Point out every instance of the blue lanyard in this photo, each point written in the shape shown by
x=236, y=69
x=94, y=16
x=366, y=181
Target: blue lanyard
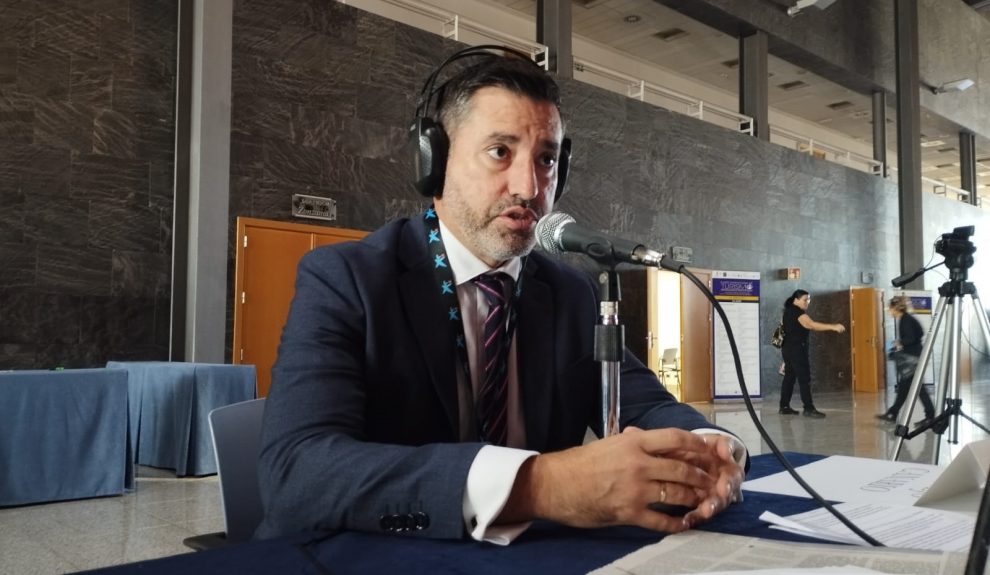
x=452, y=308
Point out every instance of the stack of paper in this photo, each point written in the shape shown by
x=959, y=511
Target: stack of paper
x=885, y=499
x=895, y=526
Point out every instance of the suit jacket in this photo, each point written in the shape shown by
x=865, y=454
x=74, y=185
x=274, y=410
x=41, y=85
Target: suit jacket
x=361, y=422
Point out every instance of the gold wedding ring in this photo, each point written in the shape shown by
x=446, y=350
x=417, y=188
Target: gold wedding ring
x=663, y=493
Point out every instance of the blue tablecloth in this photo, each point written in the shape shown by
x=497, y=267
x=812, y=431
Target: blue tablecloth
x=169, y=407
x=63, y=435
x=546, y=548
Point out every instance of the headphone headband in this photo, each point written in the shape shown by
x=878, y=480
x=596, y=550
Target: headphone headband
x=427, y=93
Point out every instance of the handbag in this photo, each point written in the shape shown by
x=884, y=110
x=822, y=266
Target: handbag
x=777, y=337
x=905, y=364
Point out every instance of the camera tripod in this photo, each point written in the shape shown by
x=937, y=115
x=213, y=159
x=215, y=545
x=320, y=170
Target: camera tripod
x=951, y=298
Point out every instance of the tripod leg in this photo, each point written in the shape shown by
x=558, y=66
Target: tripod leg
x=973, y=421
x=954, y=374
x=926, y=354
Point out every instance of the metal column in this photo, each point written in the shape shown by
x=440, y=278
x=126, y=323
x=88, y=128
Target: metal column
x=553, y=30
x=880, y=129
x=753, y=95
x=909, y=137
x=180, y=182
x=967, y=164
x=209, y=181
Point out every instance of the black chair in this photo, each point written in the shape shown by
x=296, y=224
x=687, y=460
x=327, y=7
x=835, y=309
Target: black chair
x=670, y=366
x=236, y=433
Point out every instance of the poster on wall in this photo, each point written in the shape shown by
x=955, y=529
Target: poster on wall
x=739, y=294
x=921, y=307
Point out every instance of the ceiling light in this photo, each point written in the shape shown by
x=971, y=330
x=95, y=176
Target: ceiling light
x=802, y=4
x=632, y=18
x=932, y=143
x=840, y=105
x=792, y=85
x=953, y=86
x=671, y=34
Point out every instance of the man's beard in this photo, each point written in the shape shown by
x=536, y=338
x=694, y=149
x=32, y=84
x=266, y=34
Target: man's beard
x=483, y=236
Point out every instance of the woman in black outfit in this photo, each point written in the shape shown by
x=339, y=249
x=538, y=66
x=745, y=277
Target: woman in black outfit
x=906, y=351
x=797, y=324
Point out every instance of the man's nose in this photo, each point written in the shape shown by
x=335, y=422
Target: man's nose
x=524, y=181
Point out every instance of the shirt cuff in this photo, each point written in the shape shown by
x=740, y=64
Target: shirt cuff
x=489, y=483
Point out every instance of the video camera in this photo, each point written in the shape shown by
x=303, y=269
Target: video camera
x=957, y=248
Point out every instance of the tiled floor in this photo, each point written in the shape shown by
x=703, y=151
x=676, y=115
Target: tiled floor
x=163, y=510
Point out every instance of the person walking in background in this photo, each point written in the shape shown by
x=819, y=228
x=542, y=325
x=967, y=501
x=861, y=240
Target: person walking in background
x=797, y=325
x=905, y=353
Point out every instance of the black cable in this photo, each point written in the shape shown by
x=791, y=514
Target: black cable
x=752, y=412
x=977, y=559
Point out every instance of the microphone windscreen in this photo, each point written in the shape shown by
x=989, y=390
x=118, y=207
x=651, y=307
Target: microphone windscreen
x=548, y=231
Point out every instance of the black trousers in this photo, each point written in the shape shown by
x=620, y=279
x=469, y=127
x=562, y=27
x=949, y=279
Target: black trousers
x=902, y=388
x=796, y=368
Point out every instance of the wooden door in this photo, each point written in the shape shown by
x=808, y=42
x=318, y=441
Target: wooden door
x=866, y=339
x=267, y=255
x=696, y=340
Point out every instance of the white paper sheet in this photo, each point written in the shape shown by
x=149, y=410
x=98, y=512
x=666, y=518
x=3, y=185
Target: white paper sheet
x=854, y=480
x=705, y=552
x=896, y=526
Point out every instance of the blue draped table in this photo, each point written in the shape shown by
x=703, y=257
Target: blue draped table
x=63, y=435
x=546, y=548
x=169, y=406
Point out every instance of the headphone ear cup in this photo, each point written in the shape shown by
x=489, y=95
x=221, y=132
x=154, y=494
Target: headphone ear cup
x=563, y=165
x=430, y=156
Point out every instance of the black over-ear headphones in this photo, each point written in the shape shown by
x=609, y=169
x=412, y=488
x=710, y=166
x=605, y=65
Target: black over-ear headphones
x=432, y=143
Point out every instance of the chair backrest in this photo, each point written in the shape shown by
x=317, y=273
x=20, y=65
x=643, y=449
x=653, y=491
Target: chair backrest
x=669, y=357
x=237, y=441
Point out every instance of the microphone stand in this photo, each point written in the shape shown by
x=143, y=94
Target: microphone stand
x=610, y=341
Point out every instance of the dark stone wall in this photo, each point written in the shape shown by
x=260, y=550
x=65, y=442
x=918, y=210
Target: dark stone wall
x=323, y=94
x=852, y=43
x=86, y=148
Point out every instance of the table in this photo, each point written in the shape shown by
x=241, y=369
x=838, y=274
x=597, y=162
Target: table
x=546, y=548
x=63, y=435
x=169, y=404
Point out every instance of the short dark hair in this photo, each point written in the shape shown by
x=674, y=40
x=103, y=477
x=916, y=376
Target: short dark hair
x=797, y=294
x=511, y=72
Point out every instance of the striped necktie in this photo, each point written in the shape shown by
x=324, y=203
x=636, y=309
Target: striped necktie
x=493, y=393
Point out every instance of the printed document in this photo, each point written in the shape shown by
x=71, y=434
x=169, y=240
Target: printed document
x=896, y=526
x=692, y=552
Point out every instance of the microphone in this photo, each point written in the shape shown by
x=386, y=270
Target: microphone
x=558, y=232
x=902, y=279
x=907, y=278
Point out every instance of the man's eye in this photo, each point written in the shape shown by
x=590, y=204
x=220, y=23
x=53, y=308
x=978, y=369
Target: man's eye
x=548, y=160
x=499, y=152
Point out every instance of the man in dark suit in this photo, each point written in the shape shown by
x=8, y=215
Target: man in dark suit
x=411, y=396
